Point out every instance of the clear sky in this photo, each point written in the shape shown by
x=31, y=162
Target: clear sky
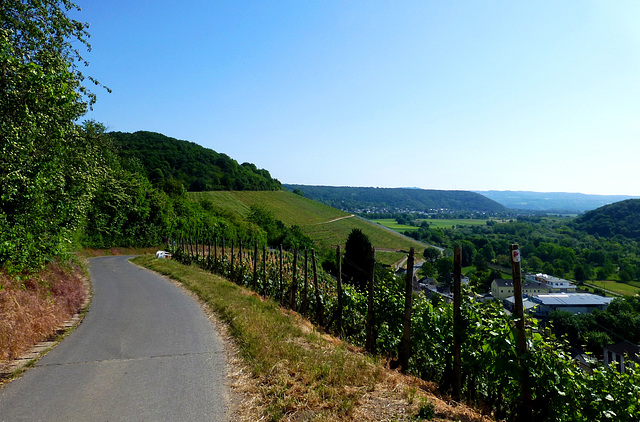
x=469, y=95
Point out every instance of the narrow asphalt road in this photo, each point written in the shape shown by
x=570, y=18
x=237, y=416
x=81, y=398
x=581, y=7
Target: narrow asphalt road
x=144, y=352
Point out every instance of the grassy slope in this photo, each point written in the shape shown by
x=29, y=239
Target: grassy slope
x=437, y=223
x=327, y=226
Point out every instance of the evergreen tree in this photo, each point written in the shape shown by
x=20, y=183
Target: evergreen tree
x=357, y=259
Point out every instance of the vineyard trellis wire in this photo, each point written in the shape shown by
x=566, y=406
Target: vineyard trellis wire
x=469, y=348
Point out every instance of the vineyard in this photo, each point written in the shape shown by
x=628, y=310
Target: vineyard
x=325, y=225
x=489, y=366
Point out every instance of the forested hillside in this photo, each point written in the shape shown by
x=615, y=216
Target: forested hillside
x=621, y=218
x=197, y=168
x=358, y=199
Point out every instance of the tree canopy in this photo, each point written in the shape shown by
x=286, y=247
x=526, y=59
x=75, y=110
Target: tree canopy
x=197, y=168
x=363, y=199
x=48, y=163
x=620, y=218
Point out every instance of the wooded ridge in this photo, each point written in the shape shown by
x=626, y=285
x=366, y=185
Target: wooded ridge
x=196, y=167
x=360, y=199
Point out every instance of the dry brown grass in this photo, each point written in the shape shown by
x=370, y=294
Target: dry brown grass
x=33, y=306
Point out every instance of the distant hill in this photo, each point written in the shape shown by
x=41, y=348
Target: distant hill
x=196, y=167
x=621, y=218
x=358, y=199
x=551, y=201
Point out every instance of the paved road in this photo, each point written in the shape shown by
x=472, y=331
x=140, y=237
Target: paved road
x=144, y=352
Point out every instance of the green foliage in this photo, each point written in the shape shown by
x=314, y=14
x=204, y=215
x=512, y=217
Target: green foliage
x=277, y=232
x=127, y=211
x=621, y=320
x=431, y=254
x=49, y=166
x=195, y=167
x=619, y=218
x=427, y=411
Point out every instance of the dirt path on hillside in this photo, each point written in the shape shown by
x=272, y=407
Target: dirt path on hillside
x=332, y=221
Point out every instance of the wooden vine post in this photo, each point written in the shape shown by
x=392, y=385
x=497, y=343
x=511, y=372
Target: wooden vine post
x=457, y=322
x=264, y=269
x=215, y=251
x=305, y=298
x=370, y=344
x=255, y=266
x=339, y=283
x=294, y=281
x=405, y=343
x=319, y=305
x=526, y=411
x=239, y=273
x=223, y=256
x=280, y=275
x=232, y=261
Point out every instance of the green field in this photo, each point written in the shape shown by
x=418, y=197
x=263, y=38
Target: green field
x=390, y=223
x=327, y=226
x=447, y=224
x=616, y=286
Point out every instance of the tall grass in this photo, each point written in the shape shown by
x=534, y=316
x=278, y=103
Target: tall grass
x=33, y=306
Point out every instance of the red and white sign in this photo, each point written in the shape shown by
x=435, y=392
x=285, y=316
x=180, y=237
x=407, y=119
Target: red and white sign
x=515, y=255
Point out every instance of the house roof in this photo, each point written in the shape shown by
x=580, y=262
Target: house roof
x=571, y=299
x=624, y=348
x=526, y=303
x=500, y=282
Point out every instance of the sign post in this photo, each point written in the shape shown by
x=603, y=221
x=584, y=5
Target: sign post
x=526, y=413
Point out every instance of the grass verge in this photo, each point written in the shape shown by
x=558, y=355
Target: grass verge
x=300, y=373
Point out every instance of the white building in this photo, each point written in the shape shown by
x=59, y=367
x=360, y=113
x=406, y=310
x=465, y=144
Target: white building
x=554, y=284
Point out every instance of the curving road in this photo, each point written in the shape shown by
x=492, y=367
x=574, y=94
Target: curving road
x=144, y=352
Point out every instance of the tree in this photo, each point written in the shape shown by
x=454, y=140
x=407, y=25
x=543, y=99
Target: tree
x=445, y=269
x=488, y=253
x=357, y=259
x=431, y=254
x=480, y=263
x=48, y=164
x=579, y=273
x=468, y=251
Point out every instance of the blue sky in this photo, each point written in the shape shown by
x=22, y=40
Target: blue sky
x=468, y=95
